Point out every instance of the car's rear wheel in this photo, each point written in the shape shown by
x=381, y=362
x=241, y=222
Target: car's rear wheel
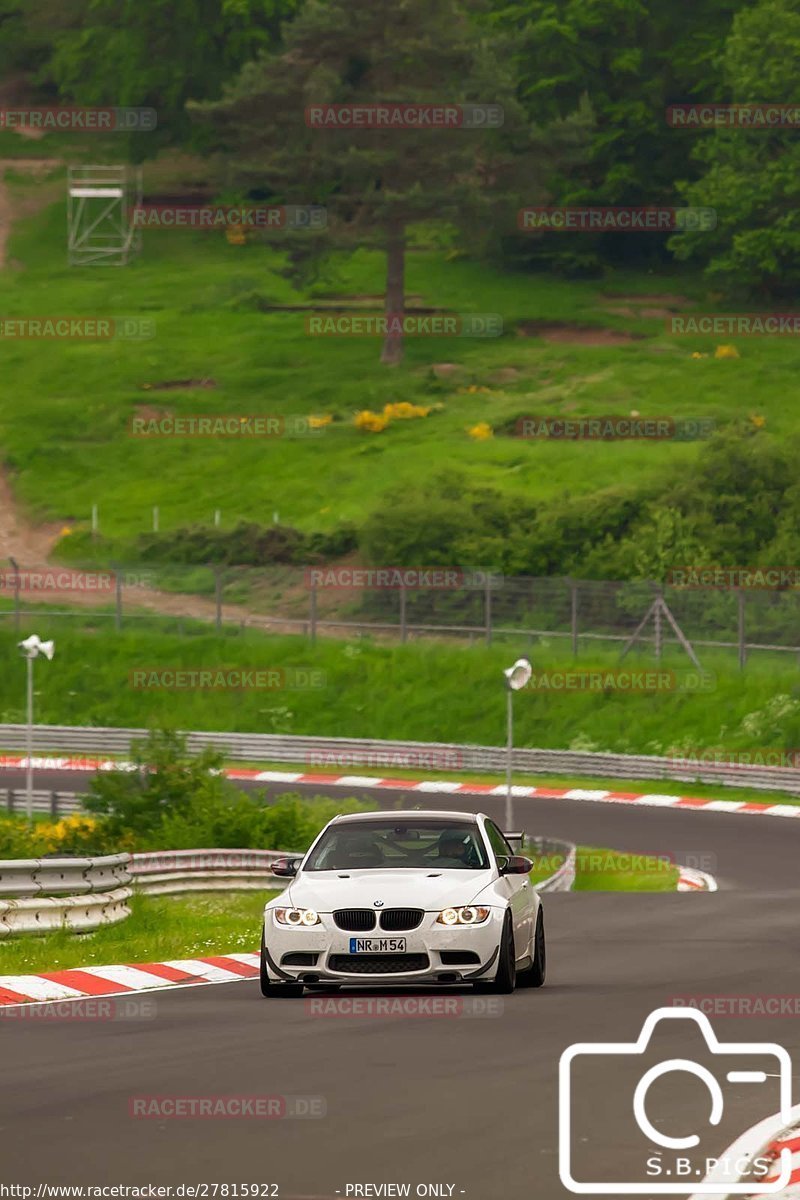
x=275, y=990
x=534, y=975
x=506, y=977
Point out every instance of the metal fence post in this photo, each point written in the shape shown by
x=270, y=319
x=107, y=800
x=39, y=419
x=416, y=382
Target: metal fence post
x=312, y=615
x=10, y=798
x=742, y=647
x=118, y=599
x=218, y=596
x=574, y=617
x=487, y=606
x=657, y=624
x=15, y=565
x=403, y=624
x=54, y=804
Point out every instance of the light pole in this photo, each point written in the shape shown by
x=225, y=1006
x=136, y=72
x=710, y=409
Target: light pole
x=32, y=647
x=516, y=678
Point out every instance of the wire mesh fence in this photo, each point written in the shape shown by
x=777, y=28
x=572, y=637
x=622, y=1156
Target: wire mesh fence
x=474, y=606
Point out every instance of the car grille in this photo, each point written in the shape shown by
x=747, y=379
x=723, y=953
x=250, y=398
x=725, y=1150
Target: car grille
x=401, y=918
x=355, y=920
x=458, y=958
x=378, y=964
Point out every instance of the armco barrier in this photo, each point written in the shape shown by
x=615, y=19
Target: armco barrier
x=77, y=913
x=563, y=879
x=54, y=893
x=24, y=877
x=324, y=752
x=165, y=872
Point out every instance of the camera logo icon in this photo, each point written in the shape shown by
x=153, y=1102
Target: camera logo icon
x=670, y=1163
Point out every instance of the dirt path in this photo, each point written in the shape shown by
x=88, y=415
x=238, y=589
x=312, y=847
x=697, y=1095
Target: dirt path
x=30, y=545
x=39, y=168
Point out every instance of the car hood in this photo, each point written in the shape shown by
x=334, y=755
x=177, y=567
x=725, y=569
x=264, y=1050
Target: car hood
x=428, y=888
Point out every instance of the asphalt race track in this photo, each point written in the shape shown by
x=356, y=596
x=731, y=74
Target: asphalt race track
x=463, y=1102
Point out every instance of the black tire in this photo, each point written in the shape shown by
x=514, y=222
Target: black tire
x=274, y=991
x=534, y=975
x=505, y=980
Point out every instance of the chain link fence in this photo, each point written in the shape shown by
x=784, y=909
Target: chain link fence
x=473, y=606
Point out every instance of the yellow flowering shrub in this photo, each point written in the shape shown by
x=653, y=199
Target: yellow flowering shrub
x=404, y=411
x=72, y=833
x=319, y=422
x=481, y=432
x=726, y=352
x=370, y=421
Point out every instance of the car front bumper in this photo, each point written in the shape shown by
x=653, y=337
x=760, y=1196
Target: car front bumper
x=427, y=957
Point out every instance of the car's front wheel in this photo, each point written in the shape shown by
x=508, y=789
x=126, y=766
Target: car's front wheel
x=275, y=990
x=505, y=980
x=534, y=975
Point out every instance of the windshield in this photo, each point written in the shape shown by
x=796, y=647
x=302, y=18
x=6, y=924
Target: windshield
x=365, y=845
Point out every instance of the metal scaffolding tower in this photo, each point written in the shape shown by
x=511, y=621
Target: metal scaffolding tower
x=100, y=201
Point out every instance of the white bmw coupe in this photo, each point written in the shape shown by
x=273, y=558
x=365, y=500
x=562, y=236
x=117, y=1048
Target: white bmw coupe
x=404, y=898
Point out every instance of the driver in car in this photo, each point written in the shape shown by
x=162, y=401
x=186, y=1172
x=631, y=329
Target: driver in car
x=454, y=846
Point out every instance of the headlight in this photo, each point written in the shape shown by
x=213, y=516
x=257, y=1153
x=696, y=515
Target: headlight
x=462, y=916
x=299, y=917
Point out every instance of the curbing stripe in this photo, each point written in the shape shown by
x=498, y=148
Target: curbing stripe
x=122, y=980
x=589, y=795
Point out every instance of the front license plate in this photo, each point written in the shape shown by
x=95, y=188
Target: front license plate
x=377, y=945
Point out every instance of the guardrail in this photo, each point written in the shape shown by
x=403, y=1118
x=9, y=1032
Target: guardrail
x=329, y=752
x=55, y=804
x=23, y=877
x=166, y=872
x=78, y=894
x=563, y=878
x=76, y=913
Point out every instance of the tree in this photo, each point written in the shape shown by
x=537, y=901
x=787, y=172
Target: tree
x=630, y=59
x=161, y=53
x=752, y=176
x=374, y=182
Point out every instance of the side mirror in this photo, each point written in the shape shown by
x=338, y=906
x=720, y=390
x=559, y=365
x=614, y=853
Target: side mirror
x=517, y=864
x=285, y=867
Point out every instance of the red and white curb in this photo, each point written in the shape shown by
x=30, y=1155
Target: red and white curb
x=94, y=982
x=449, y=787
x=691, y=880
x=773, y=1140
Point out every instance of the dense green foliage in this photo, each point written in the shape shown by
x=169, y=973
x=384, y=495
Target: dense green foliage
x=606, y=68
